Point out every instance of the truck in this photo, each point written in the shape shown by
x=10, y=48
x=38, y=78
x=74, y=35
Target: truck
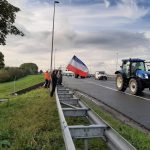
x=135, y=74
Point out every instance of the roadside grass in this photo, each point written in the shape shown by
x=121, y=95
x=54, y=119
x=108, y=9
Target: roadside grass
x=30, y=122
x=8, y=87
x=138, y=139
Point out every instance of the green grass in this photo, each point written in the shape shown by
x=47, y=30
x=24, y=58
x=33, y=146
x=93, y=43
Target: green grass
x=137, y=138
x=8, y=87
x=30, y=122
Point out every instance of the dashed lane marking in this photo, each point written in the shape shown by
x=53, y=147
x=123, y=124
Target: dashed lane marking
x=118, y=91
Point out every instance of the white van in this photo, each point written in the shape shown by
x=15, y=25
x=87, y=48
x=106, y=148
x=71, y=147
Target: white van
x=100, y=75
x=68, y=73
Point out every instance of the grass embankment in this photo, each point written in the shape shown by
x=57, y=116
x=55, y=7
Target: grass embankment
x=30, y=122
x=8, y=87
x=140, y=140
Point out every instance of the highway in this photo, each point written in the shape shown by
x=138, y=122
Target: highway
x=135, y=107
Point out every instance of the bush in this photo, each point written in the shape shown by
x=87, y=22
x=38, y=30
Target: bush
x=11, y=73
x=30, y=68
x=4, y=76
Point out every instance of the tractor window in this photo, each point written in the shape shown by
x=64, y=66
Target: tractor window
x=126, y=67
x=137, y=65
x=147, y=65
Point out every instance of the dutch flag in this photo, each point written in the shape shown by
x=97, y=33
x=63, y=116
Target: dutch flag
x=78, y=67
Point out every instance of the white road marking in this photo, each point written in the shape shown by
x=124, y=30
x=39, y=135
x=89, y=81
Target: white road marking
x=117, y=90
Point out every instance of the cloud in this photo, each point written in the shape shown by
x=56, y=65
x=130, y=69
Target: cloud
x=131, y=9
x=94, y=30
x=113, y=40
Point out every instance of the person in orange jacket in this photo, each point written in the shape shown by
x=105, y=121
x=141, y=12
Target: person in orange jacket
x=47, y=78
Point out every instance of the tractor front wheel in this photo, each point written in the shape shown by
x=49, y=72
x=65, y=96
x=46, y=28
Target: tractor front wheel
x=135, y=86
x=120, y=83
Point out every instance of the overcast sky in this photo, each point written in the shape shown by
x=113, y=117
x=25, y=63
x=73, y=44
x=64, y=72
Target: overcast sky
x=93, y=30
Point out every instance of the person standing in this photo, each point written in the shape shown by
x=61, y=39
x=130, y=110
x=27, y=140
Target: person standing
x=59, y=76
x=54, y=82
x=47, y=78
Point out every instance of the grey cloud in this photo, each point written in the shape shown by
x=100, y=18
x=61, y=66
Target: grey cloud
x=32, y=42
x=110, y=40
x=39, y=42
x=99, y=64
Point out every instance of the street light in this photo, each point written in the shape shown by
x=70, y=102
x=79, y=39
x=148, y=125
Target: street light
x=55, y=2
x=54, y=56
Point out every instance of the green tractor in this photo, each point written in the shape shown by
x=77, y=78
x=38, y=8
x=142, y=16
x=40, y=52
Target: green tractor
x=133, y=74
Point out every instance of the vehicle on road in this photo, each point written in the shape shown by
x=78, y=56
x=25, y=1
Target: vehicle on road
x=100, y=75
x=78, y=76
x=68, y=73
x=133, y=74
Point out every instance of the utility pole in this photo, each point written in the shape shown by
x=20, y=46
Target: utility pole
x=55, y=58
x=51, y=65
x=117, y=60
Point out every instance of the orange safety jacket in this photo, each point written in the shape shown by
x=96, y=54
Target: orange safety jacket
x=47, y=76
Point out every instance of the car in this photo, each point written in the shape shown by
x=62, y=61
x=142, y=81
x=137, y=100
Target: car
x=133, y=74
x=100, y=75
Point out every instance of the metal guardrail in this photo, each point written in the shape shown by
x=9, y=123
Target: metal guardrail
x=69, y=105
x=4, y=100
x=64, y=127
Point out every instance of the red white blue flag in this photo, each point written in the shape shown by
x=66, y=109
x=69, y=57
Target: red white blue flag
x=78, y=67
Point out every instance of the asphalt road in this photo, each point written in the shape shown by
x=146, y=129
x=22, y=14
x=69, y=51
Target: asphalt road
x=136, y=107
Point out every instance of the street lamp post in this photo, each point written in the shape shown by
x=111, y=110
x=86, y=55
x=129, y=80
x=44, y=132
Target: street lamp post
x=54, y=56
x=51, y=65
x=117, y=61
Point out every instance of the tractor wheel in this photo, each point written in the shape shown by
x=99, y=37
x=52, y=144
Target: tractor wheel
x=120, y=83
x=135, y=86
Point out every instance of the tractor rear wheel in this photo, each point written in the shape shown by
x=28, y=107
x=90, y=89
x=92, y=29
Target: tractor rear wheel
x=135, y=86
x=120, y=83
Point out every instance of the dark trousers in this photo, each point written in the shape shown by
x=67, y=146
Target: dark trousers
x=47, y=83
x=59, y=81
x=53, y=89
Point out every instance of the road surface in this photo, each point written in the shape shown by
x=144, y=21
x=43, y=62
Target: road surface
x=136, y=107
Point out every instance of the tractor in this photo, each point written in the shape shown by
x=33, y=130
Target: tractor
x=133, y=74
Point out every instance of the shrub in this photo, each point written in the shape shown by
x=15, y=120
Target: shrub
x=4, y=76
x=11, y=73
x=30, y=68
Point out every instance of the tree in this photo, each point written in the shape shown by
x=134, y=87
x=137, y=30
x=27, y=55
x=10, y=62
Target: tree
x=7, y=19
x=30, y=68
x=2, y=65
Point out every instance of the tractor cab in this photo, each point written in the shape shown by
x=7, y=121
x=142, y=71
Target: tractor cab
x=133, y=74
x=130, y=66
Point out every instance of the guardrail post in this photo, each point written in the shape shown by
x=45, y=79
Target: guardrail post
x=85, y=144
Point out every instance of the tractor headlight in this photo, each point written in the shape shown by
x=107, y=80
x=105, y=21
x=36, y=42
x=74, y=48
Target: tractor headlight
x=145, y=76
x=141, y=76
